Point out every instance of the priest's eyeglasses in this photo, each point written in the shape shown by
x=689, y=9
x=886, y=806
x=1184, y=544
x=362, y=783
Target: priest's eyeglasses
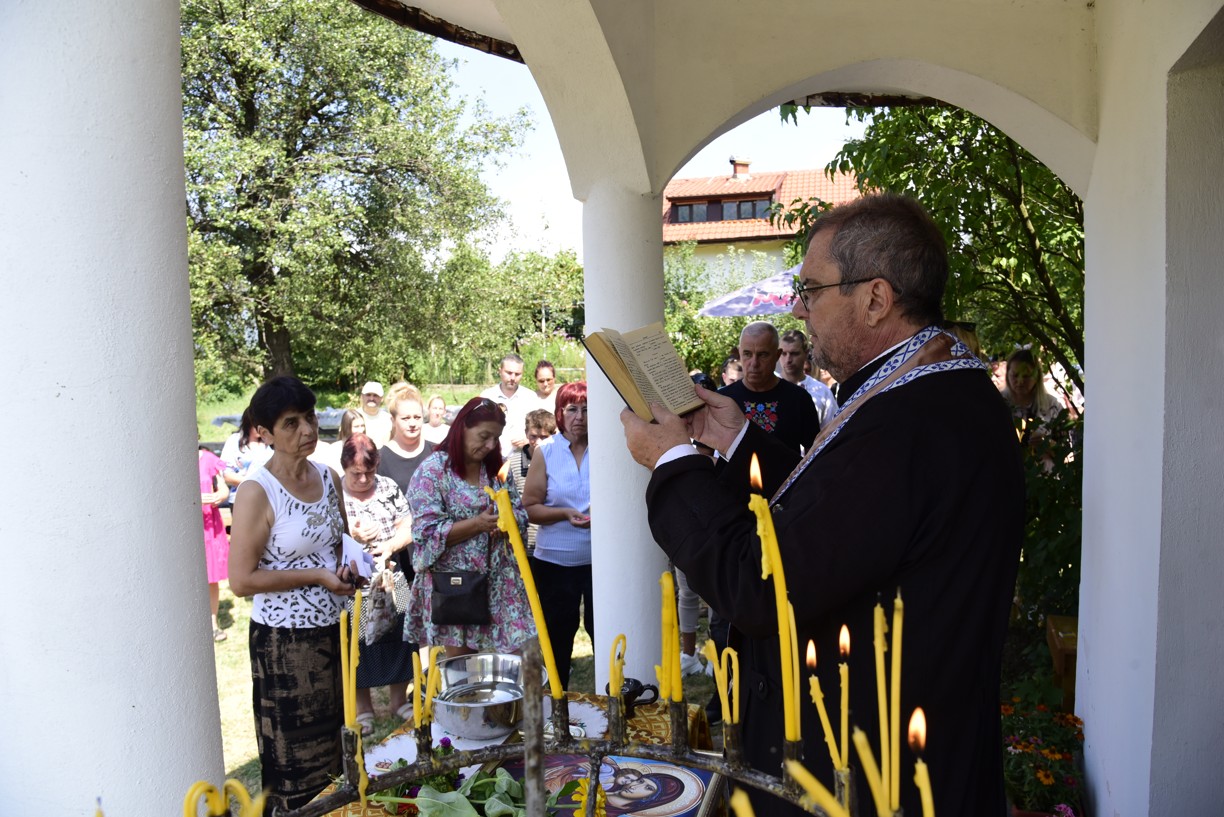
x=799, y=291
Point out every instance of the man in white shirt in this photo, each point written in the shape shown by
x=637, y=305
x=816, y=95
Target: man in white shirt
x=790, y=368
x=515, y=401
x=377, y=420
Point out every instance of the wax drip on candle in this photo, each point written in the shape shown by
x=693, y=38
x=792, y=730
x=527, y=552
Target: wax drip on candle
x=818, y=699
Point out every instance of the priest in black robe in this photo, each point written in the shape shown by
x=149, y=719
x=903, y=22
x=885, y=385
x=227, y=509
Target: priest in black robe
x=916, y=485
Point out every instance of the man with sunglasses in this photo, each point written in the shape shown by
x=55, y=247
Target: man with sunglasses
x=914, y=486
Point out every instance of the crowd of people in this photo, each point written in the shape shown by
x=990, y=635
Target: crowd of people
x=409, y=488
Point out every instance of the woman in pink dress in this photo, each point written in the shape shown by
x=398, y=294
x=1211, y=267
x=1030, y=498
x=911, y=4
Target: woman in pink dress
x=213, y=493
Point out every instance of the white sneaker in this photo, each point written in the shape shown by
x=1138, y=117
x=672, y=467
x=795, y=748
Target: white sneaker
x=691, y=665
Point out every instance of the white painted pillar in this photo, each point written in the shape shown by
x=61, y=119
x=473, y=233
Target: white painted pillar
x=107, y=684
x=623, y=261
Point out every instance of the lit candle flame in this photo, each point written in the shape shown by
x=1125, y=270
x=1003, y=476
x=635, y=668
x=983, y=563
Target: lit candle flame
x=505, y=470
x=754, y=474
x=811, y=654
x=843, y=641
x=917, y=731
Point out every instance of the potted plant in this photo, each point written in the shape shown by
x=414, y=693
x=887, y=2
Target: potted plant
x=1041, y=748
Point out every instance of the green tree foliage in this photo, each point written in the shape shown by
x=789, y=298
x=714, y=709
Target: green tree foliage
x=1015, y=230
x=329, y=169
x=488, y=309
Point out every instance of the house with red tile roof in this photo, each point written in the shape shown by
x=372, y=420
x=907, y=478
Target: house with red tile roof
x=728, y=216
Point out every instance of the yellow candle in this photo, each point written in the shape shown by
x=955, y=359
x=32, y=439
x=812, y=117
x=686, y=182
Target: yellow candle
x=871, y=772
x=349, y=717
x=741, y=805
x=354, y=657
x=735, y=681
x=894, y=715
x=507, y=523
x=98, y=812
x=794, y=652
x=881, y=695
x=819, y=794
x=671, y=639
x=665, y=666
x=843, y=644
x=922, y=777
x=616, y=666
x=771, y=564
x=720, y=677
x=818, y=699
x=417, y=709
x=246, y=806
x=212, y=799
x=434, y=682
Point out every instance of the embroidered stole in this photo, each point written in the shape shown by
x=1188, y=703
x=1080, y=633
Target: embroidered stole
x=929, y=352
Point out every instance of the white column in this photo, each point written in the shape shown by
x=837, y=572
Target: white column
x=623, y=262
x=107, y=684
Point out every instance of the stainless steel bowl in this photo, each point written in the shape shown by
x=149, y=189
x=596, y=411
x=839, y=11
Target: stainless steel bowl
x=480, y=668
x=480, y=711
x=480, y=696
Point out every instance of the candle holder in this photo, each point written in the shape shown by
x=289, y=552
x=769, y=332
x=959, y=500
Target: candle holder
x=537, y=745
x=348, y=749
x=616, y=719
x=733, y=744
x=533, y=730
x=843, y=789
x=560, y=720
x=791, y=750
x=678, y=710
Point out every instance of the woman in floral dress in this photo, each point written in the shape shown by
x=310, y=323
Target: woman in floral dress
x=454, y=527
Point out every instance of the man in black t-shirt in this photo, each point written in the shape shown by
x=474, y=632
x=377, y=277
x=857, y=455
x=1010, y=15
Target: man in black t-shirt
x=781, y=408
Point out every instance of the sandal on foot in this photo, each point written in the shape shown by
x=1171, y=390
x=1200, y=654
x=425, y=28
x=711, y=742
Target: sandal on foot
x=366, y=721
x=219, y=634
x=404, y=713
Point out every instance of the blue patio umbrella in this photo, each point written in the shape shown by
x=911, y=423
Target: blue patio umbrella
x=772, y=296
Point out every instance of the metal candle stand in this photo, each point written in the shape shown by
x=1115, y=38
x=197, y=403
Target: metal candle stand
x=534, y=747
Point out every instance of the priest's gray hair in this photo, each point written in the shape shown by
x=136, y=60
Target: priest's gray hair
x=891, y=237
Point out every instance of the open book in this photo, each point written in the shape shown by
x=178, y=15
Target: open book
x=645, y=368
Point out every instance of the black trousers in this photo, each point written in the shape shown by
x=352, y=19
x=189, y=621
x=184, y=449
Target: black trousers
x=563, y=591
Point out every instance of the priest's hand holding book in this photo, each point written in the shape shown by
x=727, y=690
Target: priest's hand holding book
x=717, y=424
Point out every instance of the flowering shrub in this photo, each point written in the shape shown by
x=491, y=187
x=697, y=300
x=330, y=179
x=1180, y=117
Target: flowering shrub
x=1039, y=758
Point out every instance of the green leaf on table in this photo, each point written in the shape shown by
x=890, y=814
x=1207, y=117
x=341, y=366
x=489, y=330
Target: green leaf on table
x=501, y=805
x=431, y=802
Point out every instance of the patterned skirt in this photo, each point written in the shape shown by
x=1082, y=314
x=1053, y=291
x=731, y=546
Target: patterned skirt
x=386, y=661
x=296, y=693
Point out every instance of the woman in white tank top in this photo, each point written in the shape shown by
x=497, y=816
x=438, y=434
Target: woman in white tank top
x=284, y=548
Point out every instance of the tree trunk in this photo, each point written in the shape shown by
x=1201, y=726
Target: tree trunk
x=275, y=340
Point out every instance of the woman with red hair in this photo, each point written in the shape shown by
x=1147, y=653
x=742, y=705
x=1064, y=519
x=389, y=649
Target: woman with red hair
x=454, y=527
x=557, y=496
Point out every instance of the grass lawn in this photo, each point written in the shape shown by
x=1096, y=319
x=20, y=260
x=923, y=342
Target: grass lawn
x=234, y=688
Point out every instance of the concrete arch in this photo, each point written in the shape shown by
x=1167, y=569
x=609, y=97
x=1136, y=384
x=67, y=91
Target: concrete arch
x=1064, y=148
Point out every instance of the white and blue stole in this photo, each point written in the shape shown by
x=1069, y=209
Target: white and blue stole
x=931, y=351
